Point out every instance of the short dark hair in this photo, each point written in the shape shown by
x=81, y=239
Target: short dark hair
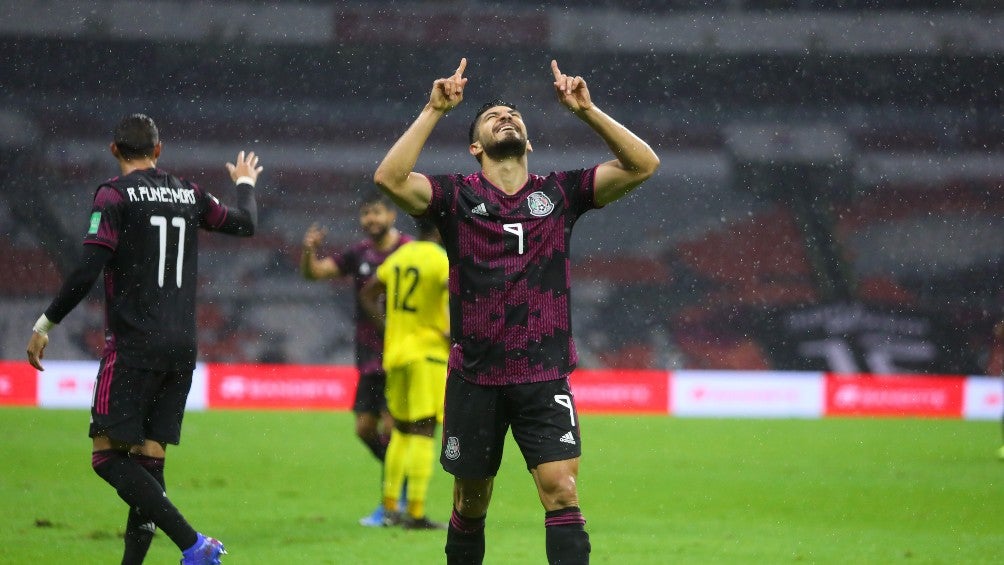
x=374, y=196
x=484, y=108
x=135, y=136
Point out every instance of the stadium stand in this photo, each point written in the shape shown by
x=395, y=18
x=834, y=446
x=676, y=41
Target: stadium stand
x=673, y=276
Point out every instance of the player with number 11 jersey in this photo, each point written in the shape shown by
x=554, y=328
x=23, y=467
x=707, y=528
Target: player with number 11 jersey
x=150, y=280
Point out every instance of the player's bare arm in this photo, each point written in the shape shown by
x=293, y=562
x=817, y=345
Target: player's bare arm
x=634, y=160
x=311, y=266
x=395, y=175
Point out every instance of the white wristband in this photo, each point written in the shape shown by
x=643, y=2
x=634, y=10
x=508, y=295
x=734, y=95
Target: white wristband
x=244, y=180
x=43, y=325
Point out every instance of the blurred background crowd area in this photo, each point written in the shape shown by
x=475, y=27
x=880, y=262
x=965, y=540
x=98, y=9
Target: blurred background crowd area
x=830, y=196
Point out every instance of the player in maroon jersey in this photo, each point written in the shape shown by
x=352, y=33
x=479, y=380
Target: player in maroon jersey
x=507, y=235
x=360, y=261
x=143, y=234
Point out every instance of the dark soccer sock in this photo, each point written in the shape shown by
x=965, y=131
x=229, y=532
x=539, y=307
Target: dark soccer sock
x=465, y=540
x=140, y=490
x=377, y=446
x=566, y=538
x=139, y=528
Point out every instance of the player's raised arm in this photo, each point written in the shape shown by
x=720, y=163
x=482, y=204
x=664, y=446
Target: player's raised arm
x=634, y=161
x=243, y=219
x=395, y=175
x=313, y=267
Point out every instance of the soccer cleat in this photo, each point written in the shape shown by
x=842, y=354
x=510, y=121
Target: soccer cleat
x=423, y=523
x=374, y=520
x=391, y=519
x=206, y=551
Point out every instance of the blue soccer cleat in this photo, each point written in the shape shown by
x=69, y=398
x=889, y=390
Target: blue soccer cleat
x=206, y=551
x=374, y=520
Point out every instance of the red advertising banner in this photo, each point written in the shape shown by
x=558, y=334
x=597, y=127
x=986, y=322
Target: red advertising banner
x=280, y=386
x=68, y=384
x=898, y=396
x=621, y=391
x=18, y=384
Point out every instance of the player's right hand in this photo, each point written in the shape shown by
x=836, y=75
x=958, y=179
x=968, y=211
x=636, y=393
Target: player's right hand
x=314, y=236
x=448, y=92
x=36, y=349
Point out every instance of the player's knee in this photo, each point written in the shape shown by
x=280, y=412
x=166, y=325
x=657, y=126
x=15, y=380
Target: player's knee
x=471, y=498
x=150, y=448
x=366, y=426
x=104, y=461
x=559, y=491
x=472, y=507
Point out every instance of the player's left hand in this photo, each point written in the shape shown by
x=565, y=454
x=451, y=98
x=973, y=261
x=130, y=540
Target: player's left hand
x=36, y=349
x=448, y=92
x=572, y=91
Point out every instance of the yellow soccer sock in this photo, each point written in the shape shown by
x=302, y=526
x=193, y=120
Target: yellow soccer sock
x=394, y=467
x=421, y=456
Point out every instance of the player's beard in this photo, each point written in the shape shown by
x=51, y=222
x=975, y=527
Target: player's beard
x=509, y=146
x=377, y=232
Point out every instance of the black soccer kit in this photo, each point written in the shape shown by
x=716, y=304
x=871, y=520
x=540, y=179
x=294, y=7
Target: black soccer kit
x=510, y=321
x=145, y=226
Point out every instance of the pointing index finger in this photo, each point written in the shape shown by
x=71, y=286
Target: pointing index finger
x=460, y=70
x=554, y=69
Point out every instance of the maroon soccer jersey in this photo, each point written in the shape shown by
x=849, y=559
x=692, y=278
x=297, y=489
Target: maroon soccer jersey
x=509, y=273
x=361, y=260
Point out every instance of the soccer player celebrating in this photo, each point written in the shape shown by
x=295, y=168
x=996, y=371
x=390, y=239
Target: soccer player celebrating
x=507, y=234
x=143, y=234
x=360, y=260
x=416, y=346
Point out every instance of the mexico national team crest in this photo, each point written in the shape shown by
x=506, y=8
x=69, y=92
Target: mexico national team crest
x=539, y=203
x=452, y=448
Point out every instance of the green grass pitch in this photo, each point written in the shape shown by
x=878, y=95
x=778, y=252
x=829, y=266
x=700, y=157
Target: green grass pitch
x=288, y=487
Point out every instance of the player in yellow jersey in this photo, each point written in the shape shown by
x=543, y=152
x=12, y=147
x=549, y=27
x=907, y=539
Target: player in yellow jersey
x=416, y=349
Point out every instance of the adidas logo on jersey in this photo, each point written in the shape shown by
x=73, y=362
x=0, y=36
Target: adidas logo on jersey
x=480, y=209
x=568, y=438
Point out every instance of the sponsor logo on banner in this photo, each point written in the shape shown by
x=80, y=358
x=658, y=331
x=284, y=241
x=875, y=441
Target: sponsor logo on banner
x=67, y=384
x=983, y=399
x=753, y=394
x=70, y=384
x=197, y=394
x=18, y=384
x=868, y=395
x=280, y=386
x=620, y=391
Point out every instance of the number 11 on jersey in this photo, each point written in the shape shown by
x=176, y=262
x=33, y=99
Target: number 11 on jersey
x=160, y=222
